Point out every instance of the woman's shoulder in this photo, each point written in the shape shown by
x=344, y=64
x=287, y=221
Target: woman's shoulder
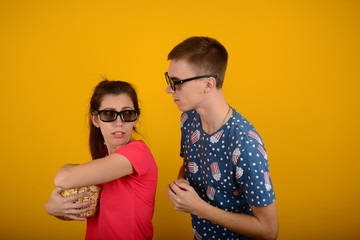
x=135, y=146
x=140, y=156
x=138, y=144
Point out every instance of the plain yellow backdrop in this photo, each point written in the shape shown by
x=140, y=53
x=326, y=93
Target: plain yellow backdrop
x=293, y=72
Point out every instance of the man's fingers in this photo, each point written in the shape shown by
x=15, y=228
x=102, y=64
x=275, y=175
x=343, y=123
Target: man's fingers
x=181, y=180
x=183, y=185
x=174, y=198
x=171, y=193
x=175, y=188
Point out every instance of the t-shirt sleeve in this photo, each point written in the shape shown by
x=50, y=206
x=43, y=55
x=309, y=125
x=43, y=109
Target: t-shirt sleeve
x=139, y=155
x=252, y=172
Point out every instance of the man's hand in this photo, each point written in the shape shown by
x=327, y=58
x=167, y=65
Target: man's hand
x=184, y=197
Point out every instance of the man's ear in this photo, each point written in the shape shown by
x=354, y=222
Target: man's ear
x=210, y=84
x=95, y=120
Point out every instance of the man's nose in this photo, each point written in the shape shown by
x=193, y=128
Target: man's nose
x=169, y=89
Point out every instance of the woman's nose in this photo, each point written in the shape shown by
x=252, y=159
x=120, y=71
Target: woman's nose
x=118, y=121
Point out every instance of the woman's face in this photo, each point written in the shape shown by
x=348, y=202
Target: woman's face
x=117, y=133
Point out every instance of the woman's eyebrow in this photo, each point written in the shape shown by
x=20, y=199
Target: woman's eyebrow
x=114, y=109
x=127, y=108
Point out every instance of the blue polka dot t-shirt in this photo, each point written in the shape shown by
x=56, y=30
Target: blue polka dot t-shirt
x=228, y=169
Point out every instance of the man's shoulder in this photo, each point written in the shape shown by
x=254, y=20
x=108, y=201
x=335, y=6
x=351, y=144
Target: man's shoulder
x=241, y=125
x=241, y=122
x=187, y=117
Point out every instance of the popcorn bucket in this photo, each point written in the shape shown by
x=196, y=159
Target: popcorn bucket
x=94, y=195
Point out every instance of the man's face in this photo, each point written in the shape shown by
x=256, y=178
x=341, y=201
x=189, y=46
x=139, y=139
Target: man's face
x=187, y=95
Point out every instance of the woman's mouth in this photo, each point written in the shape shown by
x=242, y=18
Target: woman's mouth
x=118, y=134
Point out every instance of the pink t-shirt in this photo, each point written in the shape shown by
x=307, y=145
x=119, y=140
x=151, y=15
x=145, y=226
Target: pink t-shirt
x=127, y=203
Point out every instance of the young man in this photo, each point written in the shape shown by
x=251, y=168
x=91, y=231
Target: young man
x=224, y=181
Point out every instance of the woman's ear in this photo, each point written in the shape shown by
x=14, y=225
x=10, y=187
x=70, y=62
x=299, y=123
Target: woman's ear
x=95, y=120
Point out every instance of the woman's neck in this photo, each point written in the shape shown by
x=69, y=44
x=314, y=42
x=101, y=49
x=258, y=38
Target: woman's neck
x=112, y=149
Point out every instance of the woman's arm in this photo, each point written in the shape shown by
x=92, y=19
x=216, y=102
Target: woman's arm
x=94, y=172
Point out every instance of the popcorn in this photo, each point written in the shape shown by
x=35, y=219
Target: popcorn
x=94, y=195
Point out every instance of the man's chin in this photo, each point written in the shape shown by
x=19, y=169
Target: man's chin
x=182, y=108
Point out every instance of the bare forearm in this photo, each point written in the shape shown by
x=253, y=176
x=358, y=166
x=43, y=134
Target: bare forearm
x=243, y=224
x=63, y=175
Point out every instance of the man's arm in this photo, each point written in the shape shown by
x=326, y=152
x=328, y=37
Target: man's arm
x=181, y=174
x=263, y=225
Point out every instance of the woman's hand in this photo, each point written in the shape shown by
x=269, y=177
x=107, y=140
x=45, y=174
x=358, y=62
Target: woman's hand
x=65, y=208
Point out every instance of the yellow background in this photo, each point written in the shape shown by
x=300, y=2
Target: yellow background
x=293, y=72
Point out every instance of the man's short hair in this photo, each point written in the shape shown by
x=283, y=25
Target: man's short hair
x=207, y=55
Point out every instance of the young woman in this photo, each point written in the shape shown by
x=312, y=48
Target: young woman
x=124, y=168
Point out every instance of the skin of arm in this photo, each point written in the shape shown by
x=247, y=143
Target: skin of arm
x=91, y=173
x=263, y=225
x=181, y=174
x=94, y=172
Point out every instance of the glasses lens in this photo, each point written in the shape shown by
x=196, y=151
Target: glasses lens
x=170, y=81
x=172, y=84
x=167, y=78
x=129, y=115
x=107, y=115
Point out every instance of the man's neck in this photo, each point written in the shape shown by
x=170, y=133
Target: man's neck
x=214, y=113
